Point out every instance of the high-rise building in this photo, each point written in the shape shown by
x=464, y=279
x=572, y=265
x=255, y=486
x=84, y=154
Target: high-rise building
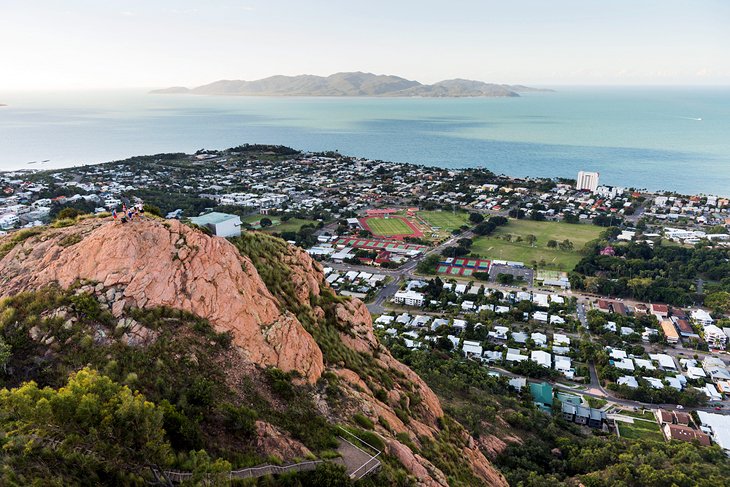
x=587, y=181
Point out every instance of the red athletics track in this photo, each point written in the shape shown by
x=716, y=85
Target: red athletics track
x=415, y=230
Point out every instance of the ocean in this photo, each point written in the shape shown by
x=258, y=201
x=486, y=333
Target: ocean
x=655, y=138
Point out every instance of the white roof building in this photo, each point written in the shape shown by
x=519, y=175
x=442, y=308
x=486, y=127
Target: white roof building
x=674, y=382
x=438, y=322
x=617, y=354
x=624, y=364
x=702, y=317
x=715, y=337
x=467, y=305
x=518, y=383
x=540, y=339
x=409, y=298
x=499, y=332
x=654, y=382
x=403, y=319
x=563, y=363
x=640, y=362
x=695, y=372
x=514, y=355
x=628, y=380
x=541, y=316
x=420, y=321
x=712, y=393
x=460, y=324
x=541, y=358
x=492, y=355
x=557, y=320
x=540, y=300
x=560, y=339
x=472, y=348
x=665, y=361
x=718, y=426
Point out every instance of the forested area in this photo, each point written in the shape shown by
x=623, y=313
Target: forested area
x=665, y=274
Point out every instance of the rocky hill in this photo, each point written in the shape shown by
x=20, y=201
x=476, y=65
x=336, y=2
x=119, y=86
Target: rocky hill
x=350, y=84
x=95, y=293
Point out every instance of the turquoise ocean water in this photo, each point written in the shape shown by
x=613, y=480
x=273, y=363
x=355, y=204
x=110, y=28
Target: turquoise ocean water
x=655, y=138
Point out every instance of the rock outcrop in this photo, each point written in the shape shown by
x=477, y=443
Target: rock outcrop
x=155, y=263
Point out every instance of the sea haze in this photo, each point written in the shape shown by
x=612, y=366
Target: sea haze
x=655, y=138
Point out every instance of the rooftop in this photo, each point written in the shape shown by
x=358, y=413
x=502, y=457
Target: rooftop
x=213, y=218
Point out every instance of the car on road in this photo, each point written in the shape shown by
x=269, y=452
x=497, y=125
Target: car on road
x=679, y=406
x=718, y=408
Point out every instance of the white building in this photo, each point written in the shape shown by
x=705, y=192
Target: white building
x=718, y=426
x=628, y=380
x=715, y=337
x=409, y=298
x=220, y=224
x=541, y=358
x=472, y=349
x=587, y=181
x=702, y=317
x=514, y=355
x=540, y=339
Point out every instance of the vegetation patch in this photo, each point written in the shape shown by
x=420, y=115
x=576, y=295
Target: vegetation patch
x=537, y=243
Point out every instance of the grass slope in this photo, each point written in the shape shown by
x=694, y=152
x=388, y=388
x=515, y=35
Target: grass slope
x=291, y=225
x=388, y=226
x=494, y=247
x=640, y=429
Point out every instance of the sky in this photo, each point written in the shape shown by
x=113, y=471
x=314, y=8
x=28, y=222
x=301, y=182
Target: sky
x=92, y=44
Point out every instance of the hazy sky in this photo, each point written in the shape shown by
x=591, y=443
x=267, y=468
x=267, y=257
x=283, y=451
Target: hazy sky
x=155, y=43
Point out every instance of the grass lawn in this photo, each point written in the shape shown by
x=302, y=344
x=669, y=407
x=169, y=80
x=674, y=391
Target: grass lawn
x=291, y=225
x=638, y=414
x=640, y=429
x=446, y=220
x=494, y=247
x=595, y=402
x=388, y=226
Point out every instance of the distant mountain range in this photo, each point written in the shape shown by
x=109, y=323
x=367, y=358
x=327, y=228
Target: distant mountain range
x=350, y=84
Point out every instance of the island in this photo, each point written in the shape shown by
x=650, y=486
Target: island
x=351, y=84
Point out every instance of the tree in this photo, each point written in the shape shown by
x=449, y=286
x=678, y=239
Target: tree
x=69, y=212
x=530, y=239
x=429, y=264
x=476, y=218
x=552, y=244
x=499, y=220
x=719, y=302
x=91, y=413
x=571, y=218
x=566, y=245
x=152, y=210
x=485, y=228
x=505, y=278
x=5, y=354
x=265, y=222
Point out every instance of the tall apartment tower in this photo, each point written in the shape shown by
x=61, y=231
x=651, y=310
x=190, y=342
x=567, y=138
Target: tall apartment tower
x=587, y=181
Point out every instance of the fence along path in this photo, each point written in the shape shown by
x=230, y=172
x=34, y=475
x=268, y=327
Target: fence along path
x=175, y=476
x=357, y=462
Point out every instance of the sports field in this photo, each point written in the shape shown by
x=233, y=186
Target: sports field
x=445, y=220
x=388, y=226
x=495, y=248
